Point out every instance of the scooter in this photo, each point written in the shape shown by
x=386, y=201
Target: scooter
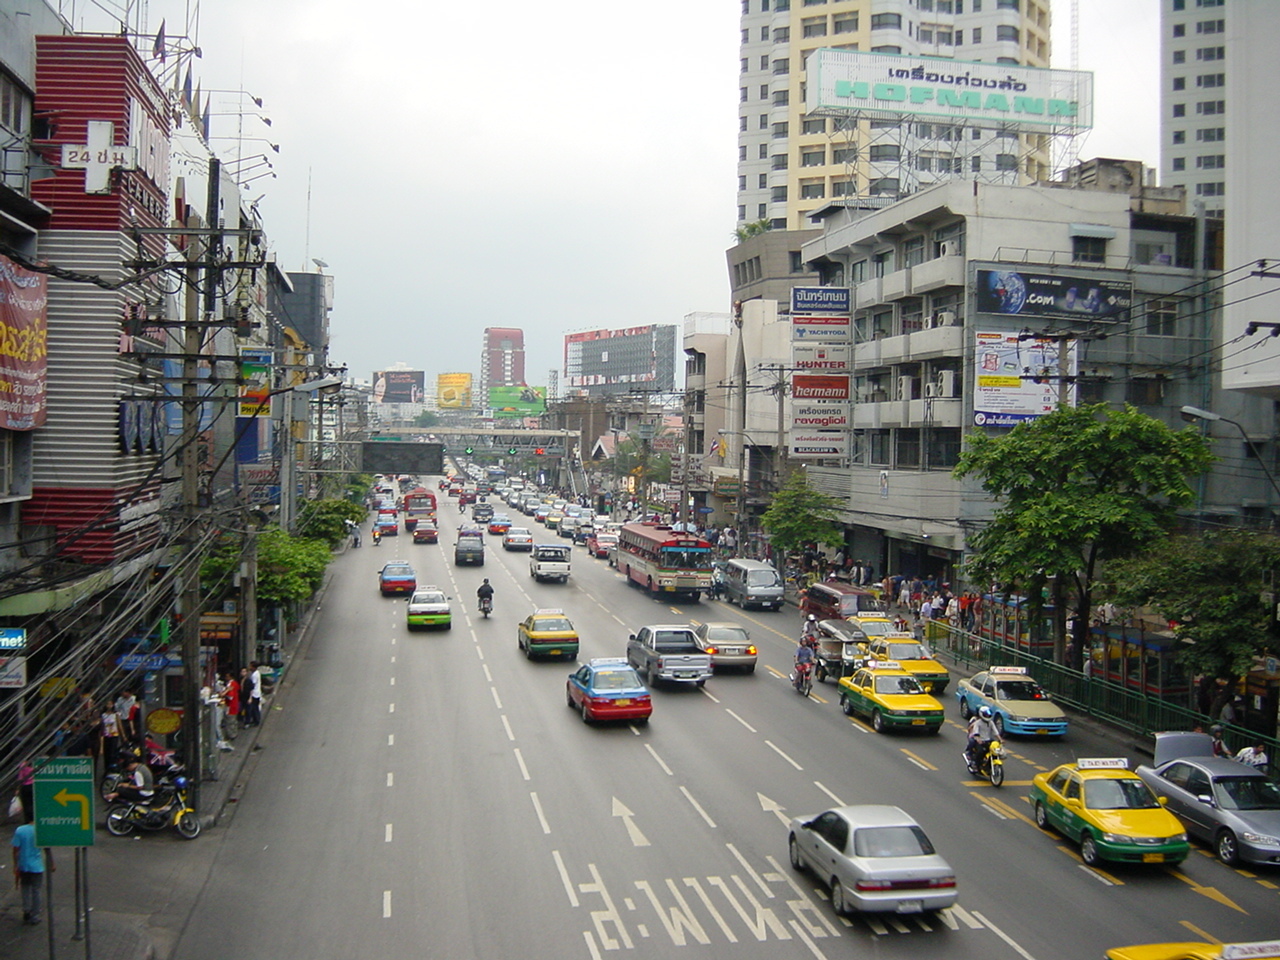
x=991, y=765
x=167, y=807
x=377, y=539
x=802, y=678
x=486, y=606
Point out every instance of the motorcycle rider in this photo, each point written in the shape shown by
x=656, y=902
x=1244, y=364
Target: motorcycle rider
x=138, y=786
x=377, y=536
x=809, y=635
x=485, y=592
x=803, y=659
x=982, y=730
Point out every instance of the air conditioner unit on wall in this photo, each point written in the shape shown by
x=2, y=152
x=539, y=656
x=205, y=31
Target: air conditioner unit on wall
x=932, y=390
x=948, y=248
x=904, y=388
x=946, y=383
x=944, y=318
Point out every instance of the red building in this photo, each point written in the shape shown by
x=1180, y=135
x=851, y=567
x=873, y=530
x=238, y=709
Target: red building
x=501, y=360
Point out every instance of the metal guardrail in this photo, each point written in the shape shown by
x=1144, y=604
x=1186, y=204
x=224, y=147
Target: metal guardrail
x=1135, y=711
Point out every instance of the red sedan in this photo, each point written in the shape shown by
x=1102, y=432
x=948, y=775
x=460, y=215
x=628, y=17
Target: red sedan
x=608, y=689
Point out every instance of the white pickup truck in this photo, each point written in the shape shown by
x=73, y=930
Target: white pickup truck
x=549, y=562
x=668, y=652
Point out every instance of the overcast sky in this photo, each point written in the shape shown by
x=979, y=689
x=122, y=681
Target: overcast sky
x=555, y=167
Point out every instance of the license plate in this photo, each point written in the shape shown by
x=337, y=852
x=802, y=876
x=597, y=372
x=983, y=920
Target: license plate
x=917, y=723
x=1153, y=858
x=1041, y=732
x=554, y=653
x=622, y=703
x=911, y=906
x=732, y=651
x=684, y=674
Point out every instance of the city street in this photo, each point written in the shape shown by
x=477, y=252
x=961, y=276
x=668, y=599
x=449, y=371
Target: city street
x=429, y=794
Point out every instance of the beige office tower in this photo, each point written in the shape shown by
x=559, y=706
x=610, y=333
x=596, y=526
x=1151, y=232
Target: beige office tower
x=790, y=164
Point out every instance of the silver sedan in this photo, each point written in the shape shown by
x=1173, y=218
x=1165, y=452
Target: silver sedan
x=729, y=645
x=875, y=858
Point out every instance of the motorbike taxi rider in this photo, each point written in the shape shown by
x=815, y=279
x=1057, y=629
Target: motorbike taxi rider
x=138, y=785
x=982, y=730
x=809, y=634
x=485, y=592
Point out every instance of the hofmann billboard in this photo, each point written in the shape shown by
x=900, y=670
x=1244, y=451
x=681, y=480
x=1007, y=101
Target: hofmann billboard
x=1011, y=97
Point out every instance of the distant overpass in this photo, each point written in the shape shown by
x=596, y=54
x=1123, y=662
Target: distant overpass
x=496, y=439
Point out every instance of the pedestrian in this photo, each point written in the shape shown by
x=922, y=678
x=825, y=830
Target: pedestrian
x=1219, y=748
x=110, y=734
x=1230, y=710
x=246, y=687
x=255, y=694
x=27, y=786
x=231, y=698
x=28, y=868
x=1255, y=756
x=129, y=712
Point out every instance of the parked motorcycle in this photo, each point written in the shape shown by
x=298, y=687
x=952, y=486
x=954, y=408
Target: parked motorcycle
x=168, y=806
x=991, y=765
x=486, y=606
x=802, y=678
x=162, y=762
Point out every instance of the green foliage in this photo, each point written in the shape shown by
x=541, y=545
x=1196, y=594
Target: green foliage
x=289, y=568
x=219, y=566
x=426, y=419
x=629, y=454
x=799, y=515
x=1077, y=487
x=1212, y=587
x=752, y=229
x=358, y=486
x=325, y=520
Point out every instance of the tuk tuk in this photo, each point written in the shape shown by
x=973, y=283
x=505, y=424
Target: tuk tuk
x=840, y=650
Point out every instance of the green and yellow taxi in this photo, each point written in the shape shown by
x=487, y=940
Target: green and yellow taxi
x=890, y=697
x=554, y=519
x=547, y=633
x=1258, y=950
x=1103, y=806
x=911, y=654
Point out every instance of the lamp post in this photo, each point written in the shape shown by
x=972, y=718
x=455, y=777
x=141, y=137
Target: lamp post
x=296, y=409
x=742, y=483
x=1208, y=416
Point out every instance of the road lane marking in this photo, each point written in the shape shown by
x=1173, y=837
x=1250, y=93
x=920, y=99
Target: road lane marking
x=393, y=681
x=1208, y=937
x=1100, y=875
x=506, y=725
x=391, y=739
x=770, y=745
x=391, y=708
x=393, y=659
x=751, y=871
x=702, y=813
x=708, y=695
x=387, y=837
x=838, y=801
x=804, y=938
x=740, y=720
x=780, y=676
x=496, y=701
x=386, y=904
x=391, y=779
x=487, y=675
x=524, y=771
x=919, y=761
x=654, y=753
x=1211, y=892
x=1004, y=936
x=546, y=827
x=772, y=806
x=479, y=651
x=591, y=945
x=859, y=725
x=621, y=811
x=564, y=878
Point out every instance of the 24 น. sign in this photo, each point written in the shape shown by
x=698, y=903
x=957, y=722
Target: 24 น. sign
x=64, y=802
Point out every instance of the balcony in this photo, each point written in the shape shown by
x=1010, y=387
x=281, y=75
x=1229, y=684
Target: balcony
x=937, y=273
x=921, y=345
x=932, y=411
x=869, y=293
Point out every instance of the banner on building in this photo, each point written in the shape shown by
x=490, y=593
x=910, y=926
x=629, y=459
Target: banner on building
x=1054, y=296
x=821, y=328
x=24, y=301
x=821, y=386
x=813, y=443
x=453, y=391
x=255, y=376
x=399, y=386
x=517, y=402
x=1020, y=379
x=819, y=357
x=820, y=300
x=820, y=416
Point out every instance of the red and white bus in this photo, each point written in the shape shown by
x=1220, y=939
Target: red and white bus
x=666, y=562
x=418, y=505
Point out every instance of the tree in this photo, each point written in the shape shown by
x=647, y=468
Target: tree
x=799, y=515
x=1078, y=487
x=1211, y=587
x=326, y=519
x=426, y=419
x=753, y=229
x=290, y=569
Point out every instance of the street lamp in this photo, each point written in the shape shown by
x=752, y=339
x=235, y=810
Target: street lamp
x=1208, y=416
x=299, y=400
x=742, y=483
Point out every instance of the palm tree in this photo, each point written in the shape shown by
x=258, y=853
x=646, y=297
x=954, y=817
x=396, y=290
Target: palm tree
x=753, y=229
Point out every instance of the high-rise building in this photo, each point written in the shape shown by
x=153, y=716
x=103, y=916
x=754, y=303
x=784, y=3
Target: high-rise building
x=1193, y=99
x=790, y=164
x=501, y=360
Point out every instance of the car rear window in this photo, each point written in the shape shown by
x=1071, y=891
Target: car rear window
x=428, y=598
x=904, y=841
x=552, y=623
x=734, y=634
x=616, y=680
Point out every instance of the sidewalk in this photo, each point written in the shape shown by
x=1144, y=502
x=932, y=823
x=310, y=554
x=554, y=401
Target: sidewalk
x=120, y=916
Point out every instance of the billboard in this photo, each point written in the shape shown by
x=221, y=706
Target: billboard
x=255, y=382
x=604, y=358
x=397, y=456
x=822, y=356
x=518, y=401
x=810, y=443
x=1055, y=296
x=398, y=386
x=821, y=328
x=820, y=300
x=453, y=391
x=820, y=386
x=823, y=415
x=1022, y=99
x=1018, y=379
x=24, y=301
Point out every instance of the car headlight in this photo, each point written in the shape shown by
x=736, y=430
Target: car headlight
x=1178, y=838
x=1261, y=838
x=1115, y=837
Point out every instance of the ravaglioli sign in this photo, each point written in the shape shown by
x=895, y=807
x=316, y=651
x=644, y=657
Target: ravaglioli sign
x=820, y=416
x=978, y=94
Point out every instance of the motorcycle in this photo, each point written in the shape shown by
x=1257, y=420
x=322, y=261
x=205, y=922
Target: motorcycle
x=802, y=678
x=168, y=806
x=377, y=539
x=162, y=762
x=991, y=765
x=486, y=606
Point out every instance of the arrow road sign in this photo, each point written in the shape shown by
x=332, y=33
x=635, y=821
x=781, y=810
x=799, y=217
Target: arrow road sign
x=64, y=802
x=638, y=839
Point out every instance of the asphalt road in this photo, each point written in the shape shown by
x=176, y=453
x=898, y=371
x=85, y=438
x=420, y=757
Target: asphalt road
x=430, y=795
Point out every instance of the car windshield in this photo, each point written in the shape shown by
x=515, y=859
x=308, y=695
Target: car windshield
x=733, y=634
x=517, y=532
x=762, y=578
x=1247, y=793
x=552, y=623
x=616, y=680
x=1020, y=690
x=401, y=571
x=897, y=685
x=1126, y=794
x=906, y=651
x=904, y=841
x=428, y=598
x=878, y=628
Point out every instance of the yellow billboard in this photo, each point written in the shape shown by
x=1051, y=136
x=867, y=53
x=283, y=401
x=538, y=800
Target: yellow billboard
x=453, y=391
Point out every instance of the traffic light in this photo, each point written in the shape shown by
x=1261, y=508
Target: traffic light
x=539, y=451
x=511, y=451
x=469, y=451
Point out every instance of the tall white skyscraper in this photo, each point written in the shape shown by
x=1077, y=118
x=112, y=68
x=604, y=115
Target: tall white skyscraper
x=1193, y=99
x=790, y=164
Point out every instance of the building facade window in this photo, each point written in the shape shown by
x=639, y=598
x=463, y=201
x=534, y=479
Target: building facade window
x=1179, y=164
x=844, y=154
x=1210, y=80
x=1089, y=249
x=886, y=21
x=1008, y=34
x=842, y=188
x=884, y=152
x=818, y=125
x=781, y=66
x=1179, y=83
x=778, y=195
x=813, y=156
x=812, y=189
x=1211, y=134
x=1145, y=391
x=1205, y=27
x=1162, y=318
x=1216, y=161
x=762, y=181
x=780, y=161
x=813, y=27
x=845, y=23
x=1210, y=108
x=1006, y=161
x=1207, y=54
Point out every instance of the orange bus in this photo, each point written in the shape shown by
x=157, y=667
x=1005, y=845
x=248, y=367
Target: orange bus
x=665, y=562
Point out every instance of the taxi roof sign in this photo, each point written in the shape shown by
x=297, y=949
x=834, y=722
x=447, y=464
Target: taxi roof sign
x=608, y=661
x=885, y=665
x=549, y=611
x=1007, y=670
x=1259, y=948
x=1102, y=763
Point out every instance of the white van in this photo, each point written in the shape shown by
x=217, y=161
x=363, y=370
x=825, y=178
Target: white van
x=753, y=583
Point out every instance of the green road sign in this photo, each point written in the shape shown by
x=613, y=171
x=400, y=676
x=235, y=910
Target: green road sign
x=64, y=802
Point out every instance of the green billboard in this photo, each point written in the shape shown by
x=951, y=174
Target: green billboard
x=518, y=401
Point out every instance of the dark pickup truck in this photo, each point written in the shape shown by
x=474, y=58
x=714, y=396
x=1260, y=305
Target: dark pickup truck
x=668, y=652
x=468, y=550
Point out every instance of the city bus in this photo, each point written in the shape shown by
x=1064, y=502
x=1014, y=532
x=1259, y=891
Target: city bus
x=418, y=505
x=665, y=562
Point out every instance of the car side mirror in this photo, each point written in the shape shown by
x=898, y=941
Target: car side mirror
x=1163, y=801
x=1206, y=800
x=631, y=636
x=1073, y=803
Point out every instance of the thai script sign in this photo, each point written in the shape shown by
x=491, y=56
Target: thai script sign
x=820, y=416
x=820, y=300
x=1066, y=297
x=817, y=444
x=24, y=302
x=976, y=94
x=824, y=328
x=1018, y=379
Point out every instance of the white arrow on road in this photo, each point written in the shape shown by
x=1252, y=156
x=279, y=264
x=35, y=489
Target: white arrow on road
x=638, y=839
x=774, y=808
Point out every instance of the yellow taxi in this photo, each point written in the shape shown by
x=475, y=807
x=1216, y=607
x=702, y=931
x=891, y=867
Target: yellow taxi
x=891, y=697
x=906, y=650
x=1258, y=950
x=547, y=633
x=1102, y=805
x=553, y=519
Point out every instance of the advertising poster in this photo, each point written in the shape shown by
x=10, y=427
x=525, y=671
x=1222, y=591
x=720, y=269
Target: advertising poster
x=820, y=416
x=398, y=386
x=1060, y=297
x=821, y=386
x=811, y=300
x=1018, y=380
x=819, y=357
x=24, y=301
x=453, y=391
x=822, y=327
x=518, y=402
x=810, y=443
x=255, y=371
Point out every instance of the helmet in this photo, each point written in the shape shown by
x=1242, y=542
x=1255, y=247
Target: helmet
x=812, y=618
x=984, y=712
x=1216, y=728
x=486, y=579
